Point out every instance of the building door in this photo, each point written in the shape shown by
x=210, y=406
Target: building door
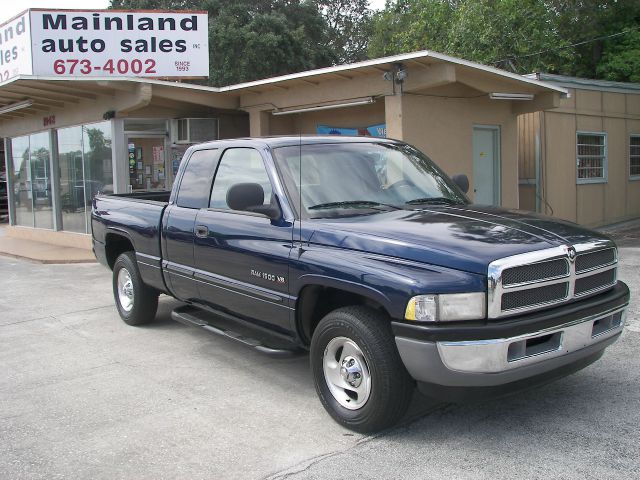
x=147, y=163
x=486, y=164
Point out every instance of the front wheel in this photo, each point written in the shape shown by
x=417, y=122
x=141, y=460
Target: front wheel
x=358, y=373
x=137, y=303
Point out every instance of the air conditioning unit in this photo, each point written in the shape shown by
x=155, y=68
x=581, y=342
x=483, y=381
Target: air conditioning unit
x=197, y=130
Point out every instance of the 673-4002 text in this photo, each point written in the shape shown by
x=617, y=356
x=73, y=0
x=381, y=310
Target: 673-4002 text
x=111, y=66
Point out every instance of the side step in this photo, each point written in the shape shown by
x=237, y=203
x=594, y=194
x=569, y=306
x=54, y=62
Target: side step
x=196, y=317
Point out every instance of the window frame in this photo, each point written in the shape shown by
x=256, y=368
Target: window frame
x=215, y=176
x=605, y=159
x=178, y=186
x=632, y=177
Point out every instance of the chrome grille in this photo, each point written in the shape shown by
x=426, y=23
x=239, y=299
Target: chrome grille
x=536, y=280
x=536, y=272
x=534, y=296
x=594, y=282
x=589, y=261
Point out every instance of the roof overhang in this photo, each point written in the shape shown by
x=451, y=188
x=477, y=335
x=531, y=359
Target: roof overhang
x=28, y=95
x=423, y=58
x=586, y=83
x=37, y=94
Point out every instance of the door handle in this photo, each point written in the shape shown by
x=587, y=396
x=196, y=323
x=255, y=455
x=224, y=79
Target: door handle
x=202, y=231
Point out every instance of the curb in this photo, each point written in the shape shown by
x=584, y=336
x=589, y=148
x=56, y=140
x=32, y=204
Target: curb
x=46, y=261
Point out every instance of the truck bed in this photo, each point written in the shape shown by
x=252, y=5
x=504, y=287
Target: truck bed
x=138, y=217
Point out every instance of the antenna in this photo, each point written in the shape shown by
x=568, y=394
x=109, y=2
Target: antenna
x=300, y=183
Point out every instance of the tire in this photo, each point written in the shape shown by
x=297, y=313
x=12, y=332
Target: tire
x=136, y=302
x=377, y=399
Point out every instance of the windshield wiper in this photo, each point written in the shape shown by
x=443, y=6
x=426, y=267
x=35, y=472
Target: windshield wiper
x=352, y=203
x=435, y=200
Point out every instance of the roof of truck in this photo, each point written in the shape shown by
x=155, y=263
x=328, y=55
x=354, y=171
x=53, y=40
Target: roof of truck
x=290, y=140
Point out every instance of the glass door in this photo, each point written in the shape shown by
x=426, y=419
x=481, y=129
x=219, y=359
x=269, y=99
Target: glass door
x=147, y=163
x=33, y=204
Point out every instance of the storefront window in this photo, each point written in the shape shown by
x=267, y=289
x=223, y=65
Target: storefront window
x=72, y=201
x=41, y=179
x=84, y=155
x=22, y=198
x=32, y=202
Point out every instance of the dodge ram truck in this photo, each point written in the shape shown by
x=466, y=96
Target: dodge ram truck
x=364, y=253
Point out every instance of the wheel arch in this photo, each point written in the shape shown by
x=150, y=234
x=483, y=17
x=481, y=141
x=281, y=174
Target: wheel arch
x=320, y=295
x=116, y=243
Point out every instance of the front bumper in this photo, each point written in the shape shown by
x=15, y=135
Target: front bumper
x=554, y=341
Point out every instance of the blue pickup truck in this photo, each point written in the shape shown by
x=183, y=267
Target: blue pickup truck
x=363, y=252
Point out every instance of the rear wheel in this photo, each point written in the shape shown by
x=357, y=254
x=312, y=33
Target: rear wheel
x=358, y=373
x=137, y=303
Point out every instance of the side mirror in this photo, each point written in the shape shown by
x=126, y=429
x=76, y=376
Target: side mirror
x=462, y=181
x=249, y=197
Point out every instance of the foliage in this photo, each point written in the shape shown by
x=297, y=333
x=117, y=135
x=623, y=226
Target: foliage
x=262, y=38
x=621, y=60
x=250, y=40
x=520, y=35
x=349, y=23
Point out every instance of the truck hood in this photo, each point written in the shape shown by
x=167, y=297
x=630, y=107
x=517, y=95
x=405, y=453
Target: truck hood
x=465, y=237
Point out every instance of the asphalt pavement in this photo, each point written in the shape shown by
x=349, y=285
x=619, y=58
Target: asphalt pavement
x=84, y=396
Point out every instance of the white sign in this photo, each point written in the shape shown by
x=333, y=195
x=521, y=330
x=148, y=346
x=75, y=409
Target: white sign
x=15, y=47
x=107, y=43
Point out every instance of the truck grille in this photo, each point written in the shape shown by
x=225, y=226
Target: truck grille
x=594, y=282
x=589, y=261
x=536, y=280
x=536, y=272
x=534, y=296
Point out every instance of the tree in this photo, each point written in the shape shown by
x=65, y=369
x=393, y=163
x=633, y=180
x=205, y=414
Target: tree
x=349, y=23
x=250, y=40
x=256, y=39
x=593, y=27
x=503, y=32
x=621, y=60
x=409, y=25
x=571, y=37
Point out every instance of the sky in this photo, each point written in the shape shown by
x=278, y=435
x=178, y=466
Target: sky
x=9, y=9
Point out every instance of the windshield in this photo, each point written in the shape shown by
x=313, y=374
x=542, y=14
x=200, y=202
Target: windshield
x=345, y=179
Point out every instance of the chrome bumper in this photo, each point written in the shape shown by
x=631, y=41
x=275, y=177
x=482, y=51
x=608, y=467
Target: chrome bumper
x=499, y=355
x=504, y=360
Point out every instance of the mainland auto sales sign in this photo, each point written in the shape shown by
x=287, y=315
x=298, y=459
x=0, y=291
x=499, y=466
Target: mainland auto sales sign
x=105, y=43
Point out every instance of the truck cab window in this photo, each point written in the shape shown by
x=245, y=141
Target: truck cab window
x=196, y=181
x=239, y=165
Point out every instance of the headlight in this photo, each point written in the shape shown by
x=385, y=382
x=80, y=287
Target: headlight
x=446, y=308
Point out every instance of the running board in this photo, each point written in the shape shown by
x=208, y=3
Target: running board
x=195, y=317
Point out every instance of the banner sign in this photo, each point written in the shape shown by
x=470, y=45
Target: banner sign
x=108, y=43
x=15, y=47
x=372, y=131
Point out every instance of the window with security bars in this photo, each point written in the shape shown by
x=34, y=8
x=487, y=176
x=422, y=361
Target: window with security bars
x=634, y=156
x=592, y=157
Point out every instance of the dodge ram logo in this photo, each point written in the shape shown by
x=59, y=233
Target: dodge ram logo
x=572, y=253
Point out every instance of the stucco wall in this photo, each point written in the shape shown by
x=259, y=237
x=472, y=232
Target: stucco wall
x=443, y=129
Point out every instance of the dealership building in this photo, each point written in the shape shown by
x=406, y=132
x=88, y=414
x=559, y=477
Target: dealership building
x=560, y=146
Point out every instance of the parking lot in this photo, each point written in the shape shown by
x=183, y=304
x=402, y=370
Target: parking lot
x=82, y=395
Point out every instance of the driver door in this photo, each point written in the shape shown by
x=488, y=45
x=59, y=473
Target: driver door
x=242, y=258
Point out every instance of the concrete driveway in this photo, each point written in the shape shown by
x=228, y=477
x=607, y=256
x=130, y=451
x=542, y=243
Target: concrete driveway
x=82, y=395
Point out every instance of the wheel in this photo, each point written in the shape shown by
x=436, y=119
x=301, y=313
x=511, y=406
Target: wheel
x=137, y=303
x=358, y=373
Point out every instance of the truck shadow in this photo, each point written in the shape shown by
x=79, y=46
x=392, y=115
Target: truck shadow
x=588, y=396
x=574, y=405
